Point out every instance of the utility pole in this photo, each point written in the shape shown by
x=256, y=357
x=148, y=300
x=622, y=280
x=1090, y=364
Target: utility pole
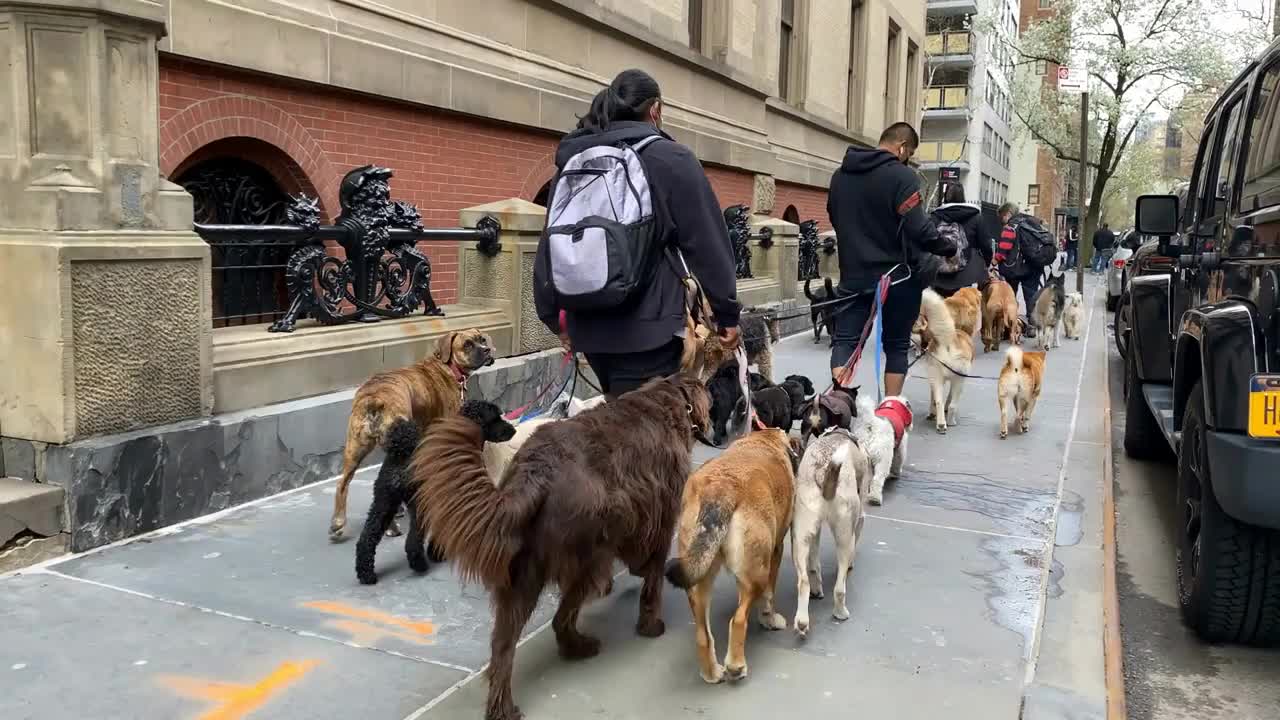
x=1084, y=154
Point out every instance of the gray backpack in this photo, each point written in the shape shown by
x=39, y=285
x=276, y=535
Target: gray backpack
x=602, y=239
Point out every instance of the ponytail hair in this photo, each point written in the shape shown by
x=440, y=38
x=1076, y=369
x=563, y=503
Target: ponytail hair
x=629, y=97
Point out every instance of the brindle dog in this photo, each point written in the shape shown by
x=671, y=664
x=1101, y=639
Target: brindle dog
x=422, y=392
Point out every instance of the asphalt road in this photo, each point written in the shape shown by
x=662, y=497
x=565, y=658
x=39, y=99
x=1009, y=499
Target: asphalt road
x=1169, y=674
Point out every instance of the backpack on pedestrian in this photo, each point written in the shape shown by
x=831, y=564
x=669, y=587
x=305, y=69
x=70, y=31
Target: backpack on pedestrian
x=1008, y=255
x=954, y=234
x=602, y=235
x=1037, y=243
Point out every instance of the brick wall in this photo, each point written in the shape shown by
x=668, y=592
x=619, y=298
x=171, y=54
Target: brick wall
x=733, y=187
x=810, y=203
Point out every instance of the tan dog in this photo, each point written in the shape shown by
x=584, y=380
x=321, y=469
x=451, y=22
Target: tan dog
x=421, y=392
x=736, y=512
x=704, y=353
x=966, y=309
x=999, y=316
x=948, y=356
x=1019, y=387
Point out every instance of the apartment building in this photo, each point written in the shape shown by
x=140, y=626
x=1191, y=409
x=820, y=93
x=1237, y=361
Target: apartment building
x=465, y=99
x=967, y=113
x=1040, y=183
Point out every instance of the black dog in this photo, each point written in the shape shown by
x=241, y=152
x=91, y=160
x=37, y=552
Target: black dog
x=392, y=490
x=836, y=408
x=821, y=315
x=775, y=405
x=800, y=388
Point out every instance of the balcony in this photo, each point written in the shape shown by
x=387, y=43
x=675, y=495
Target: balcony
x=947, y=101
x=934, y=154
x=949, y=48
x=952, y=7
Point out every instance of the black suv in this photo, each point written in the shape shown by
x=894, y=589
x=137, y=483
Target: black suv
x=1203, y=363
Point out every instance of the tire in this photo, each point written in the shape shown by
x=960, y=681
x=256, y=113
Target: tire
x=1122, y=324
x=1228, y=573
x=1143, y=438
x=1112, y=301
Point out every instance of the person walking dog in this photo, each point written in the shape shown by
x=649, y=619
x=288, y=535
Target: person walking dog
x=961, y=223
x=624, y=184
x=875, y=207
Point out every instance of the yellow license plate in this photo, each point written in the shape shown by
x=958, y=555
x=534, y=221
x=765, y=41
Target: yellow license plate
x=1264, y=406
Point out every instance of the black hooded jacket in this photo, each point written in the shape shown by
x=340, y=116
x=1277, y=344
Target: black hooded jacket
x=969, y=218
x=690, y=218
x=871, y=196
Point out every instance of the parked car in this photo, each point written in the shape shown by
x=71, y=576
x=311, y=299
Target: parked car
x=1203, y=363
x=1144, y=261
x=1126, y=243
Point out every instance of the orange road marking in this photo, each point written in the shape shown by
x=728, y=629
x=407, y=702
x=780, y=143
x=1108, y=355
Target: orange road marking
x=368, y=635
x=237, y=701
x=418, y=627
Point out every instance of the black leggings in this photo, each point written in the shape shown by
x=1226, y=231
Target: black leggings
x=619, y=373
x=901, y=308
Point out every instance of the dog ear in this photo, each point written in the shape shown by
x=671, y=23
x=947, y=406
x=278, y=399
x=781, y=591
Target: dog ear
x=444, y=348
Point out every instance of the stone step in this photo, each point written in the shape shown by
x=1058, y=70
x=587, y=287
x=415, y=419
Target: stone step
x=29, y=507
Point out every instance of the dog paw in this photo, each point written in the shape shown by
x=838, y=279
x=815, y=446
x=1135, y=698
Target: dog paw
x=1024, y=427
x=734, y=674
x=1004, y=433
x=367, y=578
x=418, y=562
x=337, y=530
x=840, y=612
x=802, y=627
x=715, y=678
x=941, y=428
x=580, y=647
x=772, y=621
x=650, y=627
x=876, y=498
x=511, y=713
x=815, y=589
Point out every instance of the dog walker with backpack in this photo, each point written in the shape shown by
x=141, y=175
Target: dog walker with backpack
x=1021, y=241
x=603, y=240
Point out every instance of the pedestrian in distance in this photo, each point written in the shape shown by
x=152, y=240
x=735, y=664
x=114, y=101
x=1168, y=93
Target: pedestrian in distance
x=875, y=207
x=1024, y=250
x=627, y=316
x=1104, y=242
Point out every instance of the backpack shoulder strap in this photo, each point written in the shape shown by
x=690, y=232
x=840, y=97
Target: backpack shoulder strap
x=644, y=143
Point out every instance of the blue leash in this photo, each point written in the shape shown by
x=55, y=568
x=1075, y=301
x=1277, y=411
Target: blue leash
x=879, y=337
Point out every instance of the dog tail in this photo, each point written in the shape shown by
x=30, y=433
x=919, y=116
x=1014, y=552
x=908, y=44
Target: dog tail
x=832, y=479
x=1013, y=359
x=941, y=325
x=477, y=525
x=710, y=530
x=807, y=292
x=401, y=440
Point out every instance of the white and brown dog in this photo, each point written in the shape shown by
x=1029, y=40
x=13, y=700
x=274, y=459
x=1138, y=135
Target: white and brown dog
x=948, y=356
x=1073, y=316
x=1019, y=388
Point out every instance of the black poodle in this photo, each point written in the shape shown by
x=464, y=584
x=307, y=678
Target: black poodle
x=391, y=490
x=775, y=405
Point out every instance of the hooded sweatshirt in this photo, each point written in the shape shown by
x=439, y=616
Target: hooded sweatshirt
x=872, y=195
x=689, y=217
x=969, y=218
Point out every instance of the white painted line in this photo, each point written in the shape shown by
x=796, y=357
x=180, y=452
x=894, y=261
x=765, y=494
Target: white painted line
x=1046, y=567
x=178, y=526
x=247, y=619
x=957, y=529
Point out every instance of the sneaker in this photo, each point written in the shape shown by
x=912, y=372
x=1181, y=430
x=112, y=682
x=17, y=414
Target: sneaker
x=1028, y=331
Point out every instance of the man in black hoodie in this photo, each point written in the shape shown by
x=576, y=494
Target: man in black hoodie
x=875, y=207
x=643, y=339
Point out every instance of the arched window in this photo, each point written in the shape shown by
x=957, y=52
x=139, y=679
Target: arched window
x=543, y=192
x=791, y=214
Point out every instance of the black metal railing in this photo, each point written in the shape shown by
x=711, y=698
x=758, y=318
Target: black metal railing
x=808, y=250
x=738, y=220
x=281, y=273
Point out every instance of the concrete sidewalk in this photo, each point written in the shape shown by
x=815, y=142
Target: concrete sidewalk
x=252, y=613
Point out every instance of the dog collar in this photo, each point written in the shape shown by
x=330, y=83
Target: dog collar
x=460, y=378
x=898, y=415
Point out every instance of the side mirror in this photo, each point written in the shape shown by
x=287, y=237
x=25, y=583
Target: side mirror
x=1158, y=215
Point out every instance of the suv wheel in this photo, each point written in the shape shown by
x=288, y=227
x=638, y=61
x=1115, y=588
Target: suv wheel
x=1228, y=572
x=1143, y=438
x=1112, y=301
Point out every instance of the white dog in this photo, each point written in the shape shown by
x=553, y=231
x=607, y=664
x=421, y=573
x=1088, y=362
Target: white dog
x=882, y=433
x=1073, y=316
x=831, y=488
x=498, y=455
x=948, y=354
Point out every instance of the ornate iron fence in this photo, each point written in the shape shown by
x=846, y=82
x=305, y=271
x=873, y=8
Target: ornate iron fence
x=808, y=250
x=738, y=220
x=281, y=273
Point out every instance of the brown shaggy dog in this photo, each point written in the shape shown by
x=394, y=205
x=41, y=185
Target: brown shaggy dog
x=421, y=392
x=736, y=512
x=999, y=316
x=580, y=493
x=966, y=309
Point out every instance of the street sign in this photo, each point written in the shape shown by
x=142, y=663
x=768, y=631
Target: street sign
x=949, y=174
x=1072, y=80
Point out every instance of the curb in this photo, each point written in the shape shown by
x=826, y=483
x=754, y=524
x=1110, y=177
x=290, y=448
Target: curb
x=1113, y=651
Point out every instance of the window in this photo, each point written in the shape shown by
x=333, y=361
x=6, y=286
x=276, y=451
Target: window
x=1046, y=4
x=1042, y=67
x=1225, y=161
x=988, y=143
x=785, y=43
x=1262, y=170
x=697, y=15
x=892, y=78
x=1033, y=194
x=914, y=81
x=856, y=55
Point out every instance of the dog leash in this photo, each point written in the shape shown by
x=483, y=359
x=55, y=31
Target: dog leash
x=518, y=415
